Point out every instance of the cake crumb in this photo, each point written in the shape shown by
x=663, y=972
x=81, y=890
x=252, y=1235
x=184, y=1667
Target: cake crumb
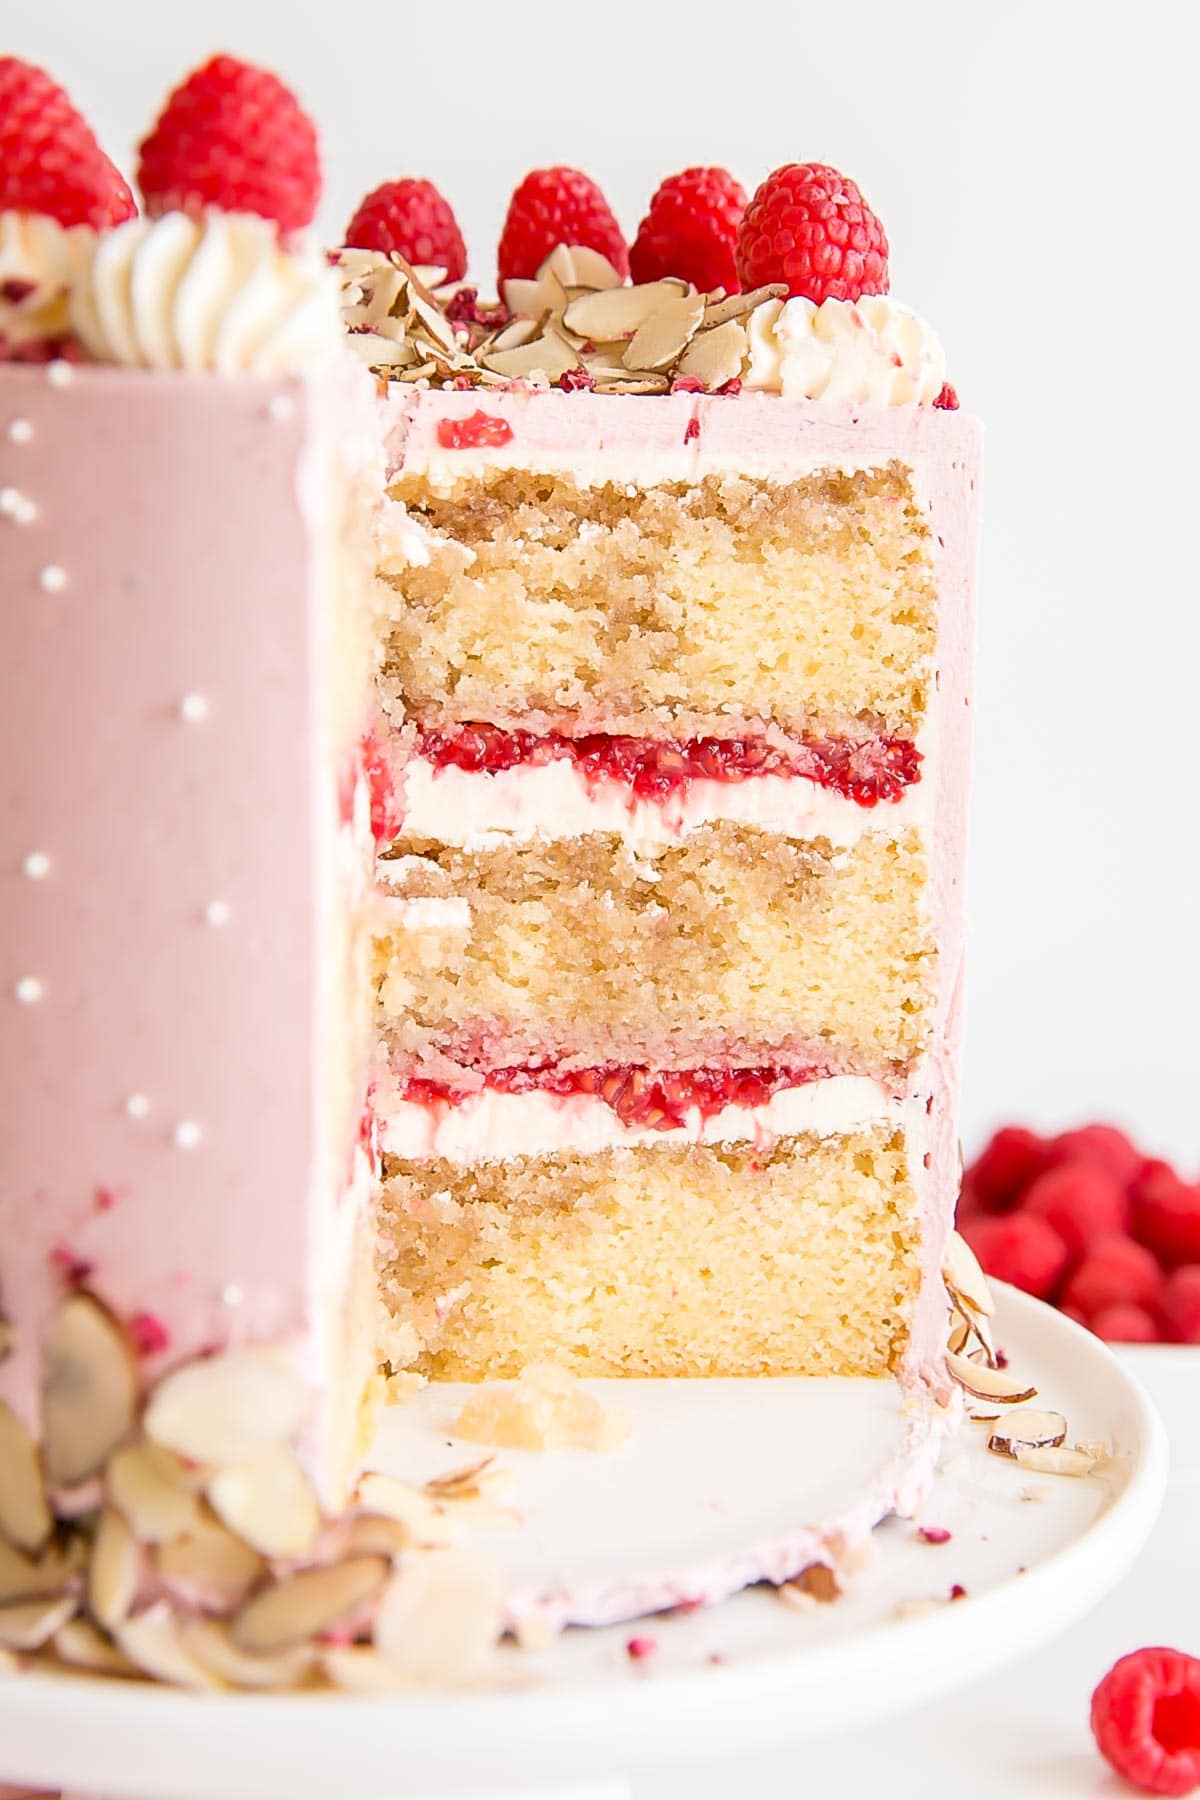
x=545, y=1409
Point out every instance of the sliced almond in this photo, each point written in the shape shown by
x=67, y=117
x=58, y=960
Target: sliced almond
x=209, y=1568
x=229, y=1408
x=24, y=1513
x=440, y=1615
x=960, y=1331
x=468, y=1483
x=114, y=1573
x=154, y=1642
x=21, y=1578
x=268, y=1503
x=1051, y=1461
x=84, y=1646
x=614, y=383
x=374, y=1535
x=548, y=355
x=408, y=1506
x=816, y=1585
x=615, y=313
x=988, y=1384
x=306, y=1605
x=514, y=335
x=661, y=338
x=90, y=1391
x=28, y=1624
x=150, y=1487
x=964, y=1276
x=578, y=266
x=212, y=1644
x=715, y=356
x=1027, y=1429
x=740, y=306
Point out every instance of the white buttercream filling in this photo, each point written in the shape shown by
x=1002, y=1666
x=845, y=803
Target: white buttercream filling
x=493, y=1125
x=477, y=809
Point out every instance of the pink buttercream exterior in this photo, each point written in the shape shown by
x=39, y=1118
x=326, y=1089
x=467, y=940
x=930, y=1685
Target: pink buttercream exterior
x=684, y=436
x=191, y=863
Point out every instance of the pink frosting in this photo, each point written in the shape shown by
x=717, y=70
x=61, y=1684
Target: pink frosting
x=162, y=706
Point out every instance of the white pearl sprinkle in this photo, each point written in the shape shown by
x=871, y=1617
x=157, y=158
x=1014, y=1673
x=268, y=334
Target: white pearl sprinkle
x=232, y=1294
x=217, y=912
x=137, y=1106
x=187, y=1134
x=281, y=407
x=28, y=990
x=36, y=865
x=59, y=374
x=193, y=708
x=20, y=431
x=53, y=578
x=17, y=506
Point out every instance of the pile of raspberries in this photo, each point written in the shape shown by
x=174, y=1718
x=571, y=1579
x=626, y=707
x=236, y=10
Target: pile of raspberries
x=1087, y=1222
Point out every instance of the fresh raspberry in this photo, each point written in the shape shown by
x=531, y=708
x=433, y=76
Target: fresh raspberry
x=808, y=226
x=691, y=231
x=50, y=163
x=1006, y=1166
x=946, y=398
x=1146, y=1720
x=412, y=218
x=232, y=136
x=1166, y=1214
x=552, y=207
x=1103, y=1146
x=1081, y=1201
x=1114, y=1272
x=1126, y=1324
x=1180, y=1306
x=1020, y=1249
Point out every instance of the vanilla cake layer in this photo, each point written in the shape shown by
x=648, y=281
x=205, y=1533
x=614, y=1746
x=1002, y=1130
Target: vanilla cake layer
x=798, y=1258
x=536, y=599
x=732, y=945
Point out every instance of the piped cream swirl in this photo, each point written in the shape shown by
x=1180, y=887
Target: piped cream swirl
x=870, y=352
x=40, y=262
x=218, y=293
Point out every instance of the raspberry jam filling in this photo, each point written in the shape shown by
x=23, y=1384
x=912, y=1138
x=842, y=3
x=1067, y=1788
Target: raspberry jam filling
x=879, y=769
x=651, y=1099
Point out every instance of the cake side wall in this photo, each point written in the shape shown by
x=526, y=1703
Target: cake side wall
x=157, y=1108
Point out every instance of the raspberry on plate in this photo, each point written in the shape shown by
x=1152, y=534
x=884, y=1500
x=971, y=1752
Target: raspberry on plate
x=234, y=137
x=808, y=226
x=1005, y=1167
x=1081, y=1200
x=412, y=218
x=1146, y=1720
x=1125, y=1324
x=1018, y=1248
x=1105, y=1146
x=1181, y=1305
x=1114, y=1272
x=690, y=231
x=1166, y=1214
x=50, y=163
x=557, y=206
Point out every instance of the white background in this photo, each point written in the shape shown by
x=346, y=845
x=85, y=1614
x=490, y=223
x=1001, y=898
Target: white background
x=1035, y=166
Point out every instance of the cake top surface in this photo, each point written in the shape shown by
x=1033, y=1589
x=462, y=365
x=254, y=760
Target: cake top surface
x=785, y=291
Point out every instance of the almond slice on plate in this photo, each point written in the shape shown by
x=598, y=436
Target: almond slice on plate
x=154, y=1641
x=209, y=1568
x=985, y=1383
x=82, y=1645
x=149, y=1487
x=1055, y=1461
x=1027, y=1429
x=211, y=1643
x=964, y=1277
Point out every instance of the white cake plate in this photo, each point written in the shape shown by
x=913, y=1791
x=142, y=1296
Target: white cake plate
x=710, y=1470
